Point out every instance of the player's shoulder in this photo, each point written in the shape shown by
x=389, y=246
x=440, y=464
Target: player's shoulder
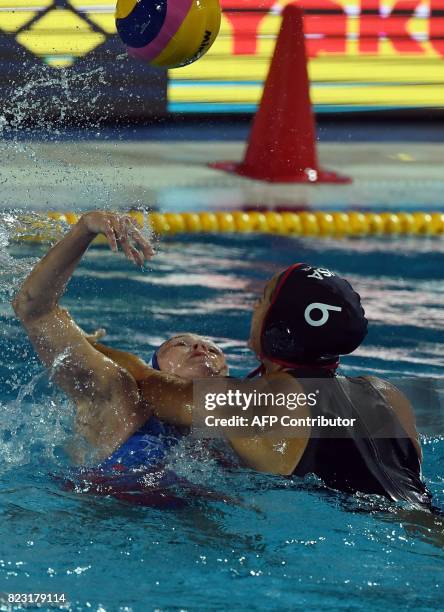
x=387, y=388
x=400, y=405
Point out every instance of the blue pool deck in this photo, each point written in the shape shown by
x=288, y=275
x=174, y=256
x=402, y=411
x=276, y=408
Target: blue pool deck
x=167, y=169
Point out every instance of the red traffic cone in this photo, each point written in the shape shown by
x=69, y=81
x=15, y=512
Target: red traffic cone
x=282, y=146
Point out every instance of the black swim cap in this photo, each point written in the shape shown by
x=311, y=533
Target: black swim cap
x=314, y=317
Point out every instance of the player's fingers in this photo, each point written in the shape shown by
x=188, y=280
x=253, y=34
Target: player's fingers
x=137, y=256
x=143, y=244
x=134, y=221
x=122, y=236
x=111, y=236
x=127, y=247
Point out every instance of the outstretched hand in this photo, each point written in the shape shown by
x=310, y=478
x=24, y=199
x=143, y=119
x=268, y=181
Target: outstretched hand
x=121, y=231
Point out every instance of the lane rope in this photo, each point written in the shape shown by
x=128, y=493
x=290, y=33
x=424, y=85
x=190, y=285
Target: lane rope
x=41, y=228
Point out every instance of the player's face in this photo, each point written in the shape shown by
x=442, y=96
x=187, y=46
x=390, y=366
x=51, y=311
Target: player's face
x=191, y=356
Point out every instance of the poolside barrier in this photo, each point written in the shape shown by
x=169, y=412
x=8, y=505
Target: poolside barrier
x=43, y=228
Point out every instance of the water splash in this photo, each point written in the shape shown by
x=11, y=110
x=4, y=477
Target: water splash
x=34, y=423
x=23, y=115
x=16, y=226
x=34, y=426
x=41, y=167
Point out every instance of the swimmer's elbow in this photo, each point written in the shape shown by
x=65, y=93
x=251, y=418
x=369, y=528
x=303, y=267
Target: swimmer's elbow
x=22, y=304
x=28, y=308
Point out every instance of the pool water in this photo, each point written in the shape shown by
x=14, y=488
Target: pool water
x=283, y=544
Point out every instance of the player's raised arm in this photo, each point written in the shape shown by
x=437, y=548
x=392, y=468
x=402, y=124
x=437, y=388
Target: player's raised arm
x=107, y=398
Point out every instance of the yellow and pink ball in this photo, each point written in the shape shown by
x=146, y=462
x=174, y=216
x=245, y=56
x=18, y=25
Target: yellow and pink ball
x=168, y=33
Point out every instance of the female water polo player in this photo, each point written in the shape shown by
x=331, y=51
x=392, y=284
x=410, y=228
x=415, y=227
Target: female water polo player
x=306, y=318
x=109, y=407
x=111, y=413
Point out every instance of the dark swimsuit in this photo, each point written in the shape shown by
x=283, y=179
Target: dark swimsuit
x=353, y=459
